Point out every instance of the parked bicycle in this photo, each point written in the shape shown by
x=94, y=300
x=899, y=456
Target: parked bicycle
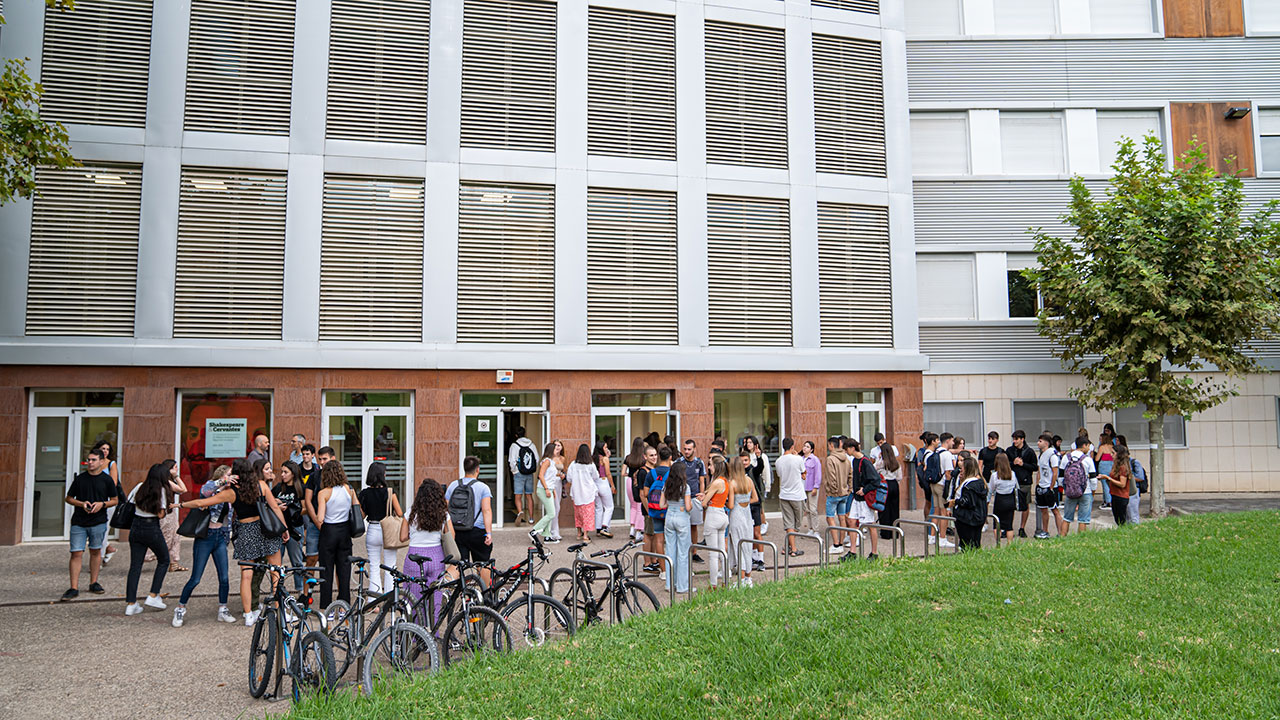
x=534, y=616
x=376, y=631
x=471, y=627
x=628, y=597
x=287, y=638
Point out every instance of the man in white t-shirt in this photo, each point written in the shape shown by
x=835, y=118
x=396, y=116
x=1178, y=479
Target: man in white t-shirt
x=1079, y=510
x=791, y=493
x=1046, y=482
x=947, y=461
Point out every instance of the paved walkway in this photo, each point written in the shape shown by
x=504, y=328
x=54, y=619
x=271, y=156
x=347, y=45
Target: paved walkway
x=85, y=656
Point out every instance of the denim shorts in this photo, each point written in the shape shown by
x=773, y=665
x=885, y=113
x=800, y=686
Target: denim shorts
x=1085, y=505
x=659, y=524
x=524, y=484
x=837, y=506
x=313, y=537
x=93, y=535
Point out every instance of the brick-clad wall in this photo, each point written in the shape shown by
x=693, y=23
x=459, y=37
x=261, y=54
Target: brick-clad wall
x=148, y=433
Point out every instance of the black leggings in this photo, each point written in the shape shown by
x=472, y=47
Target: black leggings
x=970, y=536
x=145, y=535
x=1120, y=509
x=335, y=554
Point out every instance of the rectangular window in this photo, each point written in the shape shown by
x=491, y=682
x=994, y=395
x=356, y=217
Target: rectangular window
x=509, y=74
x=739, y=414
x=1115, y=125
x=962, y=419
x=853, y=252
x=631, y=84
x=378, y=70
x=1263, y=16
x=83, y=265
x=633, y=289
x=946, y=287
x=217, y=428
x=1024, y=302
x=1122, y=17
x=934, y=17
x=95, y=63
x=1269, y=129
x=1056, y=417
x=939, y=143
x=748, y=271
x=1026, y=17
x=1137, y=430
x=746, y=86
x=1032, y=143
x=848, y=102
x=240, y=66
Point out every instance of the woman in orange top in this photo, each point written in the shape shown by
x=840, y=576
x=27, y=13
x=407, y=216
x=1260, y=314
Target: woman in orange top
x=715, y=498
x=1121, y=481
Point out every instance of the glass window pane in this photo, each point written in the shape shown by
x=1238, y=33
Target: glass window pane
x=202, y=453
x=945, y=288
x=338, y=398
x=389, y=449
x=1022, y=296
x=1031, y=143
x=345, y=436
x=1135, y=428
x=962, y=419
x=1026, y=17
x=1271, y=153
x=939, y=144
x=1057, y=417
x=933, y=17
x=1114, y=125
x=1263, y=16
x=511, y=399
x=759, y=414
x=1122, y=16
x=852, y=397
x=629, y=399
x=50, y=476
x=79, y=398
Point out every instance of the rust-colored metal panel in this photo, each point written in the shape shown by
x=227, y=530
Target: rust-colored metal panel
x=1222, y=138
x=1225, y=18
x=1203, y=18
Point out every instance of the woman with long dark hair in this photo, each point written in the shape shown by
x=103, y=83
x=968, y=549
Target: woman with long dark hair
x=337, y=502
x=715, y=497
x=378, y=501
x=428, y=519
x=290, y=495
x=548, y=492
x=677, y=528
x=113, y=469
x=583, y=478
x=889, y=465
x=169, y=523
x=150, y=499
x=249, y=542
x=635, y=464
x=213, y=546
x=605, y=489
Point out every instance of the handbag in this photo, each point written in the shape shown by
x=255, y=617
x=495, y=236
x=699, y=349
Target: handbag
x=355, y=518
x=271, y=524
x=122, y=518
x=196, y=523
x=391, y=528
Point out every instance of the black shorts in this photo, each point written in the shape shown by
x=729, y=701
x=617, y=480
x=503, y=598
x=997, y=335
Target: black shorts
x=1023, y=495
x=471, y=544
x=757, y=514
x=1046, y=499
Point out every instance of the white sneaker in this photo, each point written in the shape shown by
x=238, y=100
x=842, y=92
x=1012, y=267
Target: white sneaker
x=154, y=602
x=746, y=582
x=943, y=542
x=250, y=618
x=225, y=615
x=662, y=575
x=764, y=528
x=835, y=549
x=179, y=614
x=133, y=609
x=106, y=557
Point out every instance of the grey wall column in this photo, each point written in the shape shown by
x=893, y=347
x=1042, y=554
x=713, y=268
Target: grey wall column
x=902, y=244
x=803, y=169
x=691, y=164
x=571, y=173
x=440, y=226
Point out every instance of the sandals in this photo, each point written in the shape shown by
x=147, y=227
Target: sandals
x=175, y=567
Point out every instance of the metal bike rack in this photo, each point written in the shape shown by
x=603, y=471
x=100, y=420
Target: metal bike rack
x=898, y=541
x=546, y=587
x=753, y=543
x=930, y=532
x=583, y=562
x=635, y=570
x=995, y=523
x=724, y=570
x=862, y=537
x=786, y=559
x=937, y=539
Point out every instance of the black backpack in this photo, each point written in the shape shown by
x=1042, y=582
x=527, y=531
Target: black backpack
x=526, y=461
x=461, y=506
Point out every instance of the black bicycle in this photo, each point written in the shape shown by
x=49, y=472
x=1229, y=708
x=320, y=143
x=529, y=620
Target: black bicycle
x=287, y=638
x=472, y=628
x=534, y=615
x=399, y=647
x=627, y=596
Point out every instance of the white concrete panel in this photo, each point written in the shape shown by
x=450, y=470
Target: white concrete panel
x=1074, y=17
x=302, y=226
x=992, y=290
x=979, y=17
x=440, y=282
x=984, y=142
x=571, y=257
x=1082, y=142
x=158, y=242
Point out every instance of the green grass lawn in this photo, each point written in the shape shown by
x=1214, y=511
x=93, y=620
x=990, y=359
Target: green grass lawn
x=1177, y=619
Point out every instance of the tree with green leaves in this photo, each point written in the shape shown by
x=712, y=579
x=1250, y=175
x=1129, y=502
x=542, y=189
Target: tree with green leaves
x=1156, y=298
x=27, y=140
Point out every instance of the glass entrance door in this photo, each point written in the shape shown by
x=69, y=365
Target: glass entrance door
x=489, y=427
x=857, y=414
x=618, y=418
x=361, y=434
x=58, y=440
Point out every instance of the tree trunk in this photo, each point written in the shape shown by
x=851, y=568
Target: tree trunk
x=1156, y=426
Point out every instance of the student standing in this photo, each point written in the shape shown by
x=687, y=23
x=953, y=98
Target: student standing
x=812, y=484
x=791, y=494
x=1079, y=481
x=695, y=473
x=522, y=456
x=169, y=523
x=987, y=455
x=1004, y=487
x=655, y=528
x=1122, y=485
x=716, y=499
x=472, y=514
x=947, y=463
x=151, y=499
x=1022, y=460
x=337, y=502
x=1139, y=481
x=1104, y=459
x=744, y=493
x=546, y=490
x=113, y=469
x=91, y=493
x=582, y=478
x=837, y=485
x=213, y=546
x=378, y=501
x=289, y=494
x=762, y=477
x=428, y=522
x=634, y=463
x=970, y=509
x=866, y=484
x=889, y=465
x=605, y=489
x=677, y=531
x=309, y=474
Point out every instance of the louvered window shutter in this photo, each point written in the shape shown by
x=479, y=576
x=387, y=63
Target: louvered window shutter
x=631, y=84
x=848, y=100
x=509, y=74
x=746, y=95
x=854, y=288
x=1026, y=17
x=94, y=68
x=632, y=278
x=371, y=259
x=866, y=6
x=749, y=271
x=230, y=276
x=1124, y=16
x=240, y=66
x=378, y=70
x=506, y=264
x=934, y=17
x=82, y=275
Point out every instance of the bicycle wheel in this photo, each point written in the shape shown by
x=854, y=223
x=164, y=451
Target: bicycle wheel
x=400, y=649
x=546, y=621
x=313, y=664
x=262, y=653
x=476, y=631
x=343, y=631
x=636, y=599
x=562, y=590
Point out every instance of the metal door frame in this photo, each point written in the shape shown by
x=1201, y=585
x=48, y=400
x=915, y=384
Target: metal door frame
x=73, y=440
x=366, y=415
x=496, y=412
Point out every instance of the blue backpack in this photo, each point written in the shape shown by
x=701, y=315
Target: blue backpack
x=933, y=469
x=655, y=497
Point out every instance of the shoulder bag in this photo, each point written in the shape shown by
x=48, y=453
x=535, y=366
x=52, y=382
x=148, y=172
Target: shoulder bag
x=391, y=528
x=355, y=518
x=196, y=523
x=122, y=518
x=271, y=524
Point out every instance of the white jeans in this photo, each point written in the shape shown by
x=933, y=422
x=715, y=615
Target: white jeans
x=604, y=504
x=379, y=579
x=713, y=524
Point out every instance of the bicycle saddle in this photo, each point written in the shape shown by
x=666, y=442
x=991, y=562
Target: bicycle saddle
x=420, y=559
x=576, y=548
